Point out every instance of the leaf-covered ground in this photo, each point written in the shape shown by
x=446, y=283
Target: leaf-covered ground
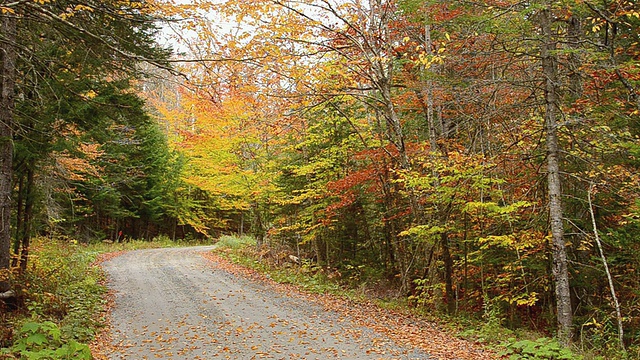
x=410, y=331
x=190, y=303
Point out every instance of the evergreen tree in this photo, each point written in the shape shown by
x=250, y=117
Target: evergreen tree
x=76, y=45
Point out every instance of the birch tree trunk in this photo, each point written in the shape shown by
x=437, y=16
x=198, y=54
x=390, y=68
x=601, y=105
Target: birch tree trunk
x=612, y=288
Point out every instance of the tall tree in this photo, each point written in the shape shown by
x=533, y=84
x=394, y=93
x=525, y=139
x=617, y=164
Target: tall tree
x=115, y=34
x=8, y=54
x=424, y=138
x=549, y=63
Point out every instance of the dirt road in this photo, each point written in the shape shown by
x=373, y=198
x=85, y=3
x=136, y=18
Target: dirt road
x=175, y=304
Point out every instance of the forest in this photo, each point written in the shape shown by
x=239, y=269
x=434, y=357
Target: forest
x=476, y=158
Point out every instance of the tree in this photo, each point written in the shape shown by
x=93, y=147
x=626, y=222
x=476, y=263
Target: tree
x=116, y=34
x=131, y=185
x=446, y=145
x=549, y=64
x=8, y=56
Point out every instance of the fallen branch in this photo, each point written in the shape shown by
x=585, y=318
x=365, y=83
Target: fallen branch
x=7, y=295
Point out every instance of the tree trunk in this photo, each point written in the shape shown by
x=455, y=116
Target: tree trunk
x=448, y=273
x=174, y=227
x=28, y=218
x=257, y=226
x=396, y=133
x=559, y=252
x=427, y=94
x=19, y=207
x=7, y=102
x=574, y=34
x=612, y=289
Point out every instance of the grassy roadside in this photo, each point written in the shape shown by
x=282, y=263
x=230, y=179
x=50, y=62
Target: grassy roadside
x=61, y=299
x=510, y=344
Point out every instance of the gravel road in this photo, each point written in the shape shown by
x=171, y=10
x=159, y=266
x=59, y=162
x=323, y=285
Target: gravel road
x=175, y=304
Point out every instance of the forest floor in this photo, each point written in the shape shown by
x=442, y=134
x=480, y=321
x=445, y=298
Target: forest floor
x=188, y=303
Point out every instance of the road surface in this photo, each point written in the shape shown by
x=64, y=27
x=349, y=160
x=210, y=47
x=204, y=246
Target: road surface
x=176, y=304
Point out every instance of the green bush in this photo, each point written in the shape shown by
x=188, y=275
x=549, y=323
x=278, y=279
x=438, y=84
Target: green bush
x=540, y=349
x=45, y=341
x=61, y=296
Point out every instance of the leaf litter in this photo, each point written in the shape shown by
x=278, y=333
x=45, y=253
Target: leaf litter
x=403, y=330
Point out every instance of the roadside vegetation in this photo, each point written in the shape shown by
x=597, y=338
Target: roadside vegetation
x=62, y=298
x=59, y=301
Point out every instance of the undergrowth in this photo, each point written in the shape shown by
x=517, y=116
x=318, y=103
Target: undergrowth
x=281, y=268
x=61, y=298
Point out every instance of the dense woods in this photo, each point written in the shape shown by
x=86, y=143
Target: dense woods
x=80, y=156
x=478, y=158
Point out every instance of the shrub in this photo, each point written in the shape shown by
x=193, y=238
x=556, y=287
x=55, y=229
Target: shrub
x=45, y=341
x=542, y=349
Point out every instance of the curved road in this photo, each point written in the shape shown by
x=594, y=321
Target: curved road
x=175, y=304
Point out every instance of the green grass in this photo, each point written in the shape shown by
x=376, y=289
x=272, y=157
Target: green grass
x=234, y=242
x=135, y=244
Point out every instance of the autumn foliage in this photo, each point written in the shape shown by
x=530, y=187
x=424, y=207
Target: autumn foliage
x=410, y=139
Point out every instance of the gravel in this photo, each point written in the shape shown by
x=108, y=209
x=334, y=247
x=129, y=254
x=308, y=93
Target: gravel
x=175, y=304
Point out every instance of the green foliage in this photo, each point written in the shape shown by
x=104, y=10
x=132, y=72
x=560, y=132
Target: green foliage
x=600, y=333
x=61, y=285
x=136, y=182
x=542, y=349
x=100, y=162
x=425, y=292
x=45, y=341
x=63, y=296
